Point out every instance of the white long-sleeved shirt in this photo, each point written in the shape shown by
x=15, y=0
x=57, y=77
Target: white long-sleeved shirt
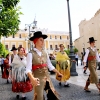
x=10, y=59
x=87, y=53
x=76, y=55
x=29, y=61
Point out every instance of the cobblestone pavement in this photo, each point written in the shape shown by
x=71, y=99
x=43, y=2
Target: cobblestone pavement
x=74, y=92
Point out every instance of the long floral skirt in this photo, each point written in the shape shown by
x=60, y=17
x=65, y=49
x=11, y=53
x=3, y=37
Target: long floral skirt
x=22, y=86
x=5, y=74
x=65, y=73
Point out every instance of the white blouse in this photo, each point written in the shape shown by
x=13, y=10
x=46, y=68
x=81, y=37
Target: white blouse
x=87, y=53
x=10, y=59
x=29, y=61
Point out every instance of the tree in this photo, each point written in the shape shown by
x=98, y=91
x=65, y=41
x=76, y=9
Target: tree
x=9, y=17
x=75, y=50
x=68, y=51
x=3, y=50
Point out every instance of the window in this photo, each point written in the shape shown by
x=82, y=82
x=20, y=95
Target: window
x=6, y=46
x=13, y=45
x=56, y=47
x=20, y=36
x=50, y=37
x=20, y=45
x=55, y=37
x=51, y=47
x=13, y=36
x=60, y=37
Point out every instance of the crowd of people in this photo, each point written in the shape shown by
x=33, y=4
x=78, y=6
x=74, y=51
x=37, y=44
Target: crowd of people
x=29, y=71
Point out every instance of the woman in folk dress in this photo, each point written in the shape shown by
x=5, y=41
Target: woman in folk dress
x=20, y=81
x=63, y=66
x=37, y=69
x=5, y=74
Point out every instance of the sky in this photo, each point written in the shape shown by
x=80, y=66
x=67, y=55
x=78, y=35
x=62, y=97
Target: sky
x=53, y=14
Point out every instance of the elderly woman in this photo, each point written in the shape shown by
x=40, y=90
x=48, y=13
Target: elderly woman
x=20, y=81
x=63, y=66
x=37, y=69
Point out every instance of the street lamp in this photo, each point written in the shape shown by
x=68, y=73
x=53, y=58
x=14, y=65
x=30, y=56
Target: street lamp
x=72, y=55
x=30, y=26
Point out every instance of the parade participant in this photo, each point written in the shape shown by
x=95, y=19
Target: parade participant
x=39, y=62
x=14, y=53
x=92, y=56
x=63, y=66
x=5, y=74
x=20, y=81
x=11, y=57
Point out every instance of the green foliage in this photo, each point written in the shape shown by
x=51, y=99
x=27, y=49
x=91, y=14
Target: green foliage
x=9, y=3
x=75, y=50
x=9, y=17
x=68, y=51
x=3, y=50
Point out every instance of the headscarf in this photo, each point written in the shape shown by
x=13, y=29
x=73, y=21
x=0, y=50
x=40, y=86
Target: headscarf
x=35, y=40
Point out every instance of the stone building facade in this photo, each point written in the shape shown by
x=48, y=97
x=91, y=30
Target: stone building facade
x=88, y=28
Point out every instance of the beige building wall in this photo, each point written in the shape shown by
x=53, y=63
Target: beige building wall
x=88, y=28
x=55, y=38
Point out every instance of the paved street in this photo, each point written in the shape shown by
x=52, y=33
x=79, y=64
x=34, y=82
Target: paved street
x=74, y=92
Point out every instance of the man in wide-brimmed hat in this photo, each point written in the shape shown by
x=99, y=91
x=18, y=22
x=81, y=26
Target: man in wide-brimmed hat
x=39, y=62
x=14, y=53
x=92, y=56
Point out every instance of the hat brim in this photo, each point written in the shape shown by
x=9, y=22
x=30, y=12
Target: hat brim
x=43, y=36
x=91, y=41
x=13, y=49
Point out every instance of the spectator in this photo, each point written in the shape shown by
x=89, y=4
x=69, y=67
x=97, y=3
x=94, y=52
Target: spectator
x=76, y=58
x=98, y=62
x=82, y=56
x=2, y=63
x=51, y=57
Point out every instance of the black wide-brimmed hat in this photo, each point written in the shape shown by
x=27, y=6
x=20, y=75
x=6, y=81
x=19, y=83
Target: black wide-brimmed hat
x=91, y=39
x=13, y=48
x=37, y=35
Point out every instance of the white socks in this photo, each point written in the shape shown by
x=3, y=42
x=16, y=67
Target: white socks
x=66, y=82
x=23, y=94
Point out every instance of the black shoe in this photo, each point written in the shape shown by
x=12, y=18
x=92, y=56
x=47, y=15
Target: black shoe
x=87, y=90
x=23, y=98
x=17, y=96
x=66, y=85
x=98, y=69
x=59, y=83
x=7, y=82
x=84, y=72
